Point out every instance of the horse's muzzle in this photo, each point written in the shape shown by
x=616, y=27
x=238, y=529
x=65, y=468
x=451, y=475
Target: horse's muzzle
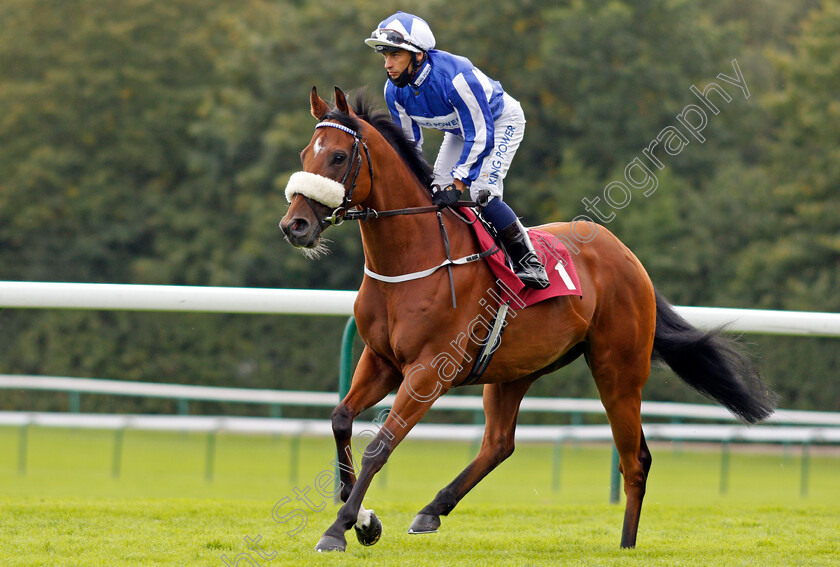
x=300, y=232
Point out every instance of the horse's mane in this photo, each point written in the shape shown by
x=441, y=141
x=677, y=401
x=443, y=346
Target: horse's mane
x=381, y=120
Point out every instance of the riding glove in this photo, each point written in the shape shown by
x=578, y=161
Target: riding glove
x=447, y=196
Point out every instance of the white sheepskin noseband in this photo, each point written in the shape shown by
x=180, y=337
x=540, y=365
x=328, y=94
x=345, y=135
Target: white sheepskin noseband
x=317, y=187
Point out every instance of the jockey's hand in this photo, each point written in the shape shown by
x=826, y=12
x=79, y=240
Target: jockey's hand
x=447, y=196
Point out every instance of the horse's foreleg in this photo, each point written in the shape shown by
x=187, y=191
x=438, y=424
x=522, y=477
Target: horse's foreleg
x=373, y=379
x=501, y=406
x=408, y=409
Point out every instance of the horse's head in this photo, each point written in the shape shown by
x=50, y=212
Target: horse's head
x=337, y=174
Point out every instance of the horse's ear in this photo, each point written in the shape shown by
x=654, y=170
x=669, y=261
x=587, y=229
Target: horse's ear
x=317, y=106
x=341, y=102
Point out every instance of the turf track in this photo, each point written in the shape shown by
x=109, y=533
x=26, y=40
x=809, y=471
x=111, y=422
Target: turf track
x=68, y=510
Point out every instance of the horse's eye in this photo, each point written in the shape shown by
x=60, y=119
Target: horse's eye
x=339, y=158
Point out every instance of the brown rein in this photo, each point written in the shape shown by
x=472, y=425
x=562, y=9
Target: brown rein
x=367, y=214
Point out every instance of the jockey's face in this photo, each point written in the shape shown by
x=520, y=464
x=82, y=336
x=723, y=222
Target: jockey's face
x=396, y=62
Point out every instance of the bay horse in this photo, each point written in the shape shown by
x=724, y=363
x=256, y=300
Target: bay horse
x=359, y=164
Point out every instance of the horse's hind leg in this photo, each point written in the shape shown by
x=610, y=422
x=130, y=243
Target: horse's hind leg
x=635, y=493
x=501, y=406
x=620, y=377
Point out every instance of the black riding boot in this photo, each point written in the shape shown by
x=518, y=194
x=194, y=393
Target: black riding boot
x=526, y=264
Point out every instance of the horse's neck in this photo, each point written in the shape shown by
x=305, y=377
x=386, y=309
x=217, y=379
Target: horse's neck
x=406, y=243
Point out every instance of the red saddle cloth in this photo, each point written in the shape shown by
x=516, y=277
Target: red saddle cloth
x=562, y=275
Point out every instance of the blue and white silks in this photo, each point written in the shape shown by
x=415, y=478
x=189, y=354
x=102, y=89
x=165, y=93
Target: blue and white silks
x=483, y=126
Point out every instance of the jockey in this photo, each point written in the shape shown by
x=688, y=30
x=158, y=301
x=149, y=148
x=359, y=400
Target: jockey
x=483, y=127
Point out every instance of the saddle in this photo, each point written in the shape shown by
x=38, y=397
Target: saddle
x=552, y=254
x=513, y=294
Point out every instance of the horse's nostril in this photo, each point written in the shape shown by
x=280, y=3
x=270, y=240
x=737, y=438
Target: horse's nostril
x=299, y=227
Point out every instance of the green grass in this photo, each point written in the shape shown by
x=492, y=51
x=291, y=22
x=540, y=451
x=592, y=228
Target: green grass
x=69, y=510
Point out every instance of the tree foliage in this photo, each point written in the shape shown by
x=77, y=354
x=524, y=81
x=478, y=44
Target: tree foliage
x=148, y=142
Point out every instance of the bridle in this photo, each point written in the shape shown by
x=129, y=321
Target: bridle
x=354, y=165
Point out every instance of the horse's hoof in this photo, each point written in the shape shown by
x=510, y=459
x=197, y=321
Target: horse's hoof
x=424, y=524
x=330, y=543
x=370, y=534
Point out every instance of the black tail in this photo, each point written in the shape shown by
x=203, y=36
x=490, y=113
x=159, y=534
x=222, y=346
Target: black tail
x=711, y=364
